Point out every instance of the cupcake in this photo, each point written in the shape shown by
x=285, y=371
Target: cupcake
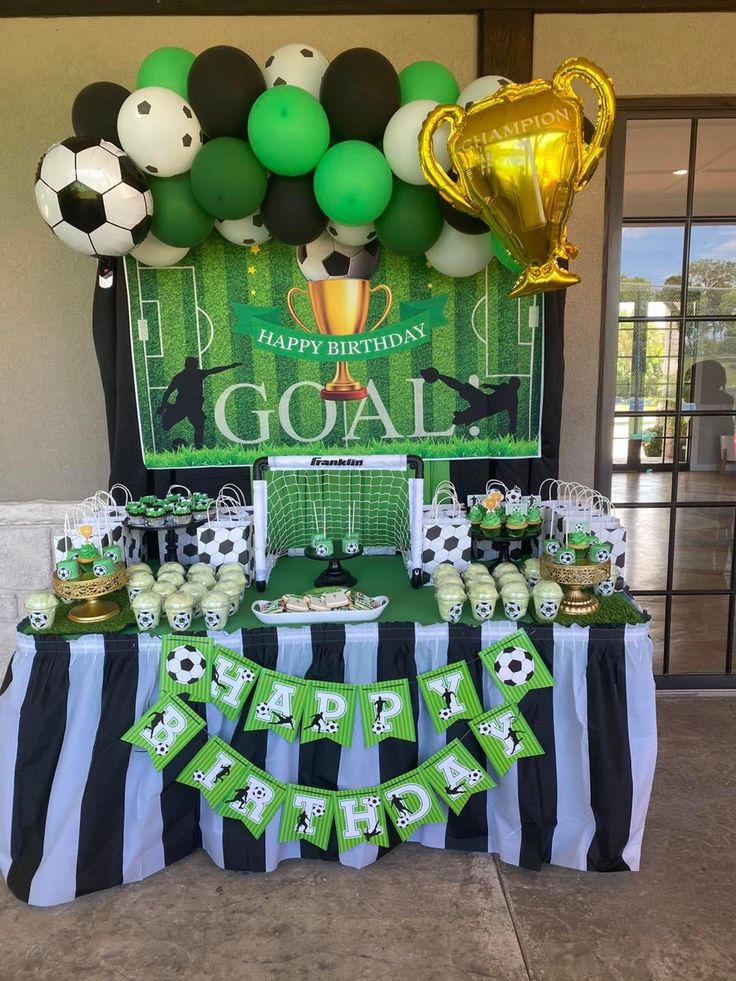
x=182, y=513
x=475, y=514
x=87, y=554
x=578, y=540
x=491, y=524
x=201, y=505
x=136, y=514
x=515, y=523
x=534, y=517
x=155, y=516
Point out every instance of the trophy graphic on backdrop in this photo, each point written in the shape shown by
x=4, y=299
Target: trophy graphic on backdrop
x=521, y=157
x=339, y=292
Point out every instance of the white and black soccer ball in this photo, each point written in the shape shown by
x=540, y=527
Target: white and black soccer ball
x=580, y=526
x=512, y=610
x=145, y=619
x=352, y=548
x=548, y=609
x=322, y=549
x=263, y=712
x=455, y=612
x=485, y=728
x=378, y=728
x=185, y=664
x=551, y=547
x=325, y=258
x=212, y=619
x=99, y=569
x=474, y=776
x=373, y=801
x=514, y=495
x=159, y=131
x=483, y=610
x=245, y=231
x=162, y=749
x=181, y=621
x=445, y=714
x=565, y=556
x=256, y=791
x=605, y=588
x=352, y=234
x=93, y=198
x=198, y=776
x=39, y=620
x=63, y=573
x=402, y=821
x=331, y=726
x=296, y=64
x=245, y=674
x=445, y=544
x=318, y=810
x=514, y=666
x=602, y=554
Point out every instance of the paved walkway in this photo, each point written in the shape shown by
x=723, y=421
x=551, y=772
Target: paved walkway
x=422, y=914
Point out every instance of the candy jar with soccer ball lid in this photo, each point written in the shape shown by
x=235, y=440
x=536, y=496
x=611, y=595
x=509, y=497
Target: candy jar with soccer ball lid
x=147, y=609
x=547, y=597
x=482, y=597
x=515, y=599
x=215, y=607
x=41, y=608
x=450, y=601
x=179, y=612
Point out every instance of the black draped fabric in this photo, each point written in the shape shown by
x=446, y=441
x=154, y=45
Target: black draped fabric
x=111, y=328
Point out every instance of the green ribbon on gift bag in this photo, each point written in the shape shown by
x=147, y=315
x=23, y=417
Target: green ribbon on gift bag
x=307, y=815
x=516, y=666
x=449, y=694
x=329, y=712
x=360, y=818
x=186, y=666
x=210, y=768
x=252, y=796
x=455, y=775
x=410, y=802
x=233, y=678
x=505, y=737
x=277, y=704
x=165, y=729
x=386, y=711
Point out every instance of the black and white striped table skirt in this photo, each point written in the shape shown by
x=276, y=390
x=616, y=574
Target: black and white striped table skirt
x=81, y=811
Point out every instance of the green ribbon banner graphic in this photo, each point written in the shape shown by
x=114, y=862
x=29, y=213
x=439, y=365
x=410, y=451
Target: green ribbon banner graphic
x=263, y=325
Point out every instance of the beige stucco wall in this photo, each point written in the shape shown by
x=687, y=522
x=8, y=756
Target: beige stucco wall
x=52, y=428
x=645, y=55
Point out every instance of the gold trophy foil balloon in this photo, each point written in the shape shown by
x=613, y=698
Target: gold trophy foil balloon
x=339, y=293
x=520, y=158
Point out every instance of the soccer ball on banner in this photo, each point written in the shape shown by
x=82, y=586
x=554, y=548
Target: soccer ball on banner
x=263, y=712
x=331, y=727
x=185, y=664
x=378, y=728
x=474, y=776
x=256, y=791
x=318, y=810
x=93, y=197
x=325, y=258
x=162, y=749
x=402, y=821
x=198, y=776
x=445, y=714
x=514, y=666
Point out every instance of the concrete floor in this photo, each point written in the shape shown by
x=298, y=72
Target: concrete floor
x=423, y=914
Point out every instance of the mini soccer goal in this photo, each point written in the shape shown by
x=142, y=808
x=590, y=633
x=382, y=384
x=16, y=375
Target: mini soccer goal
x=378, y=499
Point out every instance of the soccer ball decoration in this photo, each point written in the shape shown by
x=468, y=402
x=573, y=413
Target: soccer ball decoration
x=159, y=131
x=263, y=712
x=256, y=791
x=547, y=609
x=162, y=749
x=331, y=726
x=378, y=728
x=198, y=776
x=352, y=234
x=325, y=258
x=185, y=664
x=474, y=776
x=514, y=666
x=512, y=610
x=318, y=810
x=565, y=556
x=92, y=197
x=296, y=64
x=245, y=231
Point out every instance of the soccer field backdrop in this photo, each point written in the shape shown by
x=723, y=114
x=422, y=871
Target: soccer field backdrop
x=225, y=374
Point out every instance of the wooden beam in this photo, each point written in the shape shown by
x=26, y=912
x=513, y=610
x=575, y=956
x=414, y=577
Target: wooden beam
x=506, y=43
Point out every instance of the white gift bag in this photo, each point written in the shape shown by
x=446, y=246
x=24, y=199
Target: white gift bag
x=227, y=535
x=445, y=531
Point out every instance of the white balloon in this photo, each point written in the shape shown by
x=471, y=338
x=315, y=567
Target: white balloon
x=401, y=141
x=159, y=131
x=455, y=254
x=153, y=252
x=352, y=234
x=244, y=231
x=480, y=88
x=296, y=64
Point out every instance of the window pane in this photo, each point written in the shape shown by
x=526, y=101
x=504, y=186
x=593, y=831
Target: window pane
x=705, y=441
x=712, y=271
x=703, y=546
x=709, y=485
x=647, y=533
x=709, y=370
x=639, y=485
x=715, y=168
x=651, y=270
x=698, y=634
x=646, y=369
x=655, y=182
x=646, y=440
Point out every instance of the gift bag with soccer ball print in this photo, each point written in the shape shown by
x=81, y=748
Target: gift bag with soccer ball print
x=445, y=531
x=227, y=535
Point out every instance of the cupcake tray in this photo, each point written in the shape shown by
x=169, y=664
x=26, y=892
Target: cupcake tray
x=167, y=524
x=317, y=616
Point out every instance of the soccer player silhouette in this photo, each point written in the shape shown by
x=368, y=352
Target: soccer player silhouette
x=514, y=738
x=379, y=705
x=284, y=720
x=156, y=719
x=240, y=799
x=447, y=695
x=302, y=823
x=223, y=772
x=373, y=833
x=317, y=720
x=216, y=677
x=454, y=791
x=400, y=806
x=189, y=404
x=481, y=405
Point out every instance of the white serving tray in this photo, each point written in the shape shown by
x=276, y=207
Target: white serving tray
x=317, y=616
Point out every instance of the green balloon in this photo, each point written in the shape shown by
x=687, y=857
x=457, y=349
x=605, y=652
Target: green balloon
x=412, y=222
x=353, y=183
x=288, y=130
x=227, y=179
x=168, y=68
x=178, y=218
x=504, y=256
x=427, y=80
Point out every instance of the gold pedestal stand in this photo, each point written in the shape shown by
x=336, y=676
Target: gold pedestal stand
x=575, y=579
x=93, y=609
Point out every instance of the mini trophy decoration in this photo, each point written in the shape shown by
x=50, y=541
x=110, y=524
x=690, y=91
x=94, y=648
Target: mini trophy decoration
x=520, y=157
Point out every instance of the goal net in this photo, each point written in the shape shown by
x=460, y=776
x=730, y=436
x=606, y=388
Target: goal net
x=377, y=498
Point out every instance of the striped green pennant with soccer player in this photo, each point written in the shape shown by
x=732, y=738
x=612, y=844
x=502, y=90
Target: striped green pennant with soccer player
x=186, y=666
x=386, y=711
x=165, y=729
x=515, y=666
x=455, y=774
x=210, y=768
x=449, y=694
x=277, y=704
x=252, y=796
x=505, y=737
x=233, y=678
x=307, y=815
x=410, y=803
x=329, y=712
x=360, y=818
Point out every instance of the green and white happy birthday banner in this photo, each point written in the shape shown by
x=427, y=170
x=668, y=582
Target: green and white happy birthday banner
x=237, y=788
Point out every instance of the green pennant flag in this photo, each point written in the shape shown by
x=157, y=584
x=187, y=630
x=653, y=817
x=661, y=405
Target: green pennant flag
x=277, y=704
x=186, y=666
x=210, y=768
x=449, y=694
x=252, y=796
x=233, y=678
x=165, y=729
x=360, y=818
x=307, y=815
x=516, y=666
x=455, y=775
x=329, y=712
x=410, y=802
x=386, y=711
x=505, y=737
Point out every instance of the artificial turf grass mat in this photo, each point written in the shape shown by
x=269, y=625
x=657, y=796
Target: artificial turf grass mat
x=64, y=627
x=614, y=610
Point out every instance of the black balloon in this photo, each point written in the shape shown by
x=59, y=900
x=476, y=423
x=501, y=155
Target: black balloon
x=461, y=221
x=360, y=93
x=223, y=84
x=290, y=210
x=95, y=111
